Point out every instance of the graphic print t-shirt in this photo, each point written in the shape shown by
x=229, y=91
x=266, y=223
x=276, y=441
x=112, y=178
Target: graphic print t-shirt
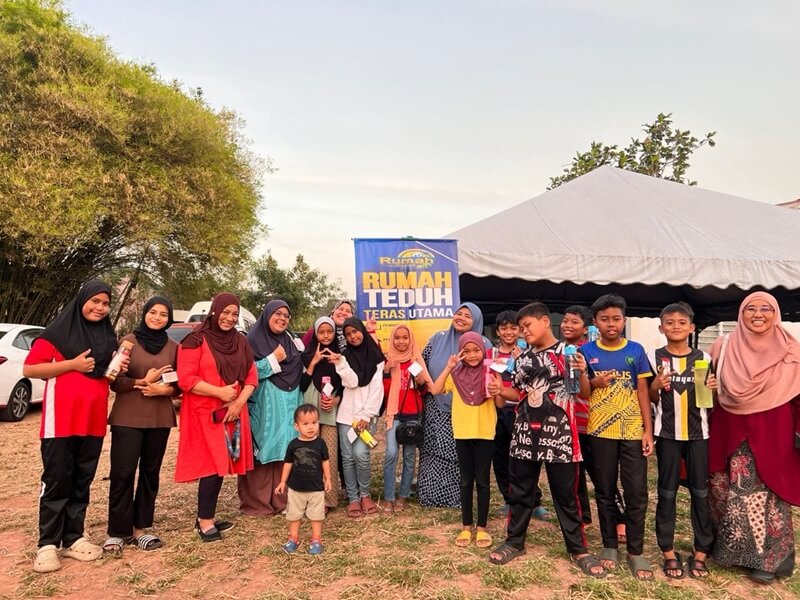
x=676, y=414
x=306, y=458
x=544, y=428
x=614, y=411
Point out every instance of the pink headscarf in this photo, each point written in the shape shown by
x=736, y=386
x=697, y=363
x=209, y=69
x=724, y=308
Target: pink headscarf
x=759, y=371
x=471, y=381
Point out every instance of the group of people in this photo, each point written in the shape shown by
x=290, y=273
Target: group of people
x=290, y=417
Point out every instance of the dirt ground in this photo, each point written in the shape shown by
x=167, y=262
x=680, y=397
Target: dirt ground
x=402, y=556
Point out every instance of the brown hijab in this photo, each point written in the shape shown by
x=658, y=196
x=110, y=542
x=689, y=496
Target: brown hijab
x=759, y=371
x=230, y=348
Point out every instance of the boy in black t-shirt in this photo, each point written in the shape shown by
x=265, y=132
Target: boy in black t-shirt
x=307, y=474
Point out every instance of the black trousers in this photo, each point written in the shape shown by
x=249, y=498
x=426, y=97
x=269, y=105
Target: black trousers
x=208, y=489
x=620, y=459
x=132, y=448
x=502, y=445
x=69, y=465
x=583, y=490
x=562, y=479
x=474, y=464
x=695, y=455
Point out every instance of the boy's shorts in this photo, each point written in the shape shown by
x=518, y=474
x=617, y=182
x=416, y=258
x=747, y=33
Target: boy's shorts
x=312, y=504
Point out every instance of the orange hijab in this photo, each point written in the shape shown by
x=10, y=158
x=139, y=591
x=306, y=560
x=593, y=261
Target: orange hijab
x=411, y=353
x=759, y=371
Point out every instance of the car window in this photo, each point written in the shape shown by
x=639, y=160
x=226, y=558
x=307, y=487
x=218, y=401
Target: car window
x=20, y=342
x=30, y=336
x=2, y=333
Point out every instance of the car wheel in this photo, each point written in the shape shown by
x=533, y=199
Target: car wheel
x=18, y=403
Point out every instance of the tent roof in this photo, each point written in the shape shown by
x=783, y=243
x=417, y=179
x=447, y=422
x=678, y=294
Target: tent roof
x=635, y=234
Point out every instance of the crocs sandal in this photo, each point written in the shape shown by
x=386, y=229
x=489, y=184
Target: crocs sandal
x=698, y=565
x=589, y=562
x=637, y=563
x=541, y=513
x=504, y=553
x=464, y=538
x=673, y=564
x=46, y=560
x=83, y=549
x=113, y=546
x=483, y=539
x=609, y=555
x=354, y=510
x=368, y=507
x=291, y=546
x=148, y=541
x=315, y=548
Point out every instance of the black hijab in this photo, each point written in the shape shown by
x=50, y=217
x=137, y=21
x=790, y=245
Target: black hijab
x=323, y=368
x=154, y=340
x=264, y=341
x=72, y=334
x=364, y=358
x=230, y=348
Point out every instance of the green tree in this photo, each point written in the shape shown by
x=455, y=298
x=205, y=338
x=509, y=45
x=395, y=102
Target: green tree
x=664, y=152
x=308, y=291
x=105, y=168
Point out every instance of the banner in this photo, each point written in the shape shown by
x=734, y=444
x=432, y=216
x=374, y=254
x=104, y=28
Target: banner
x=412, y=281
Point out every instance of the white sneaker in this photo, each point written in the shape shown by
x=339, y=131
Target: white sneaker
x=46, y=560
x=83, y=549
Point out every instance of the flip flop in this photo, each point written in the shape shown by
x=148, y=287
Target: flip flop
x=354, y=510
x=464, y=538
x=609, y=555
x=483, y=539
x=673, y=564
x=589, y=562
x=368, y=507
x=113, y=546
x=506, y=553
x=148, y=541
x=698, y=565
x=638, y=563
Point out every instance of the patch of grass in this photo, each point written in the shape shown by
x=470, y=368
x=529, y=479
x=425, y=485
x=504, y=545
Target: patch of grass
x=36, y=585
x=358, y=591
x=405, y=576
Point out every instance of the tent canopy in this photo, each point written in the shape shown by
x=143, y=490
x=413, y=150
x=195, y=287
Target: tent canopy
x=650, y=240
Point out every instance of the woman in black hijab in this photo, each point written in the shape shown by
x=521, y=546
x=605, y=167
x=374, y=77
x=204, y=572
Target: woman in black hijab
x=72, y=354
x=140, y=421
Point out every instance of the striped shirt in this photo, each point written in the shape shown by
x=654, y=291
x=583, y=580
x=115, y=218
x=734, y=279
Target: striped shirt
x=676, y=414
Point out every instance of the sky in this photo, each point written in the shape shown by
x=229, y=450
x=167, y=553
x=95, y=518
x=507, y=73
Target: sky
x=388, y=119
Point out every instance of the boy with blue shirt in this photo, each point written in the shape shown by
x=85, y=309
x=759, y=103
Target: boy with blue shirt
x=621, y=430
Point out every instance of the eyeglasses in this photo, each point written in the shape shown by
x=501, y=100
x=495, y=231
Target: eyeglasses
x=752, y=310
x=283, y=315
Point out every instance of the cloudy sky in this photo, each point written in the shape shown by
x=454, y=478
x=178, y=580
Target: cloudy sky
x=389, y=118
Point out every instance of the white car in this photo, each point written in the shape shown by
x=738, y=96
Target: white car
x=17, y=393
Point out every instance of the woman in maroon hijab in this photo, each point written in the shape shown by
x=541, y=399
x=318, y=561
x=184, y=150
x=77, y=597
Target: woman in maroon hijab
x=754, y=463
x=217, y=375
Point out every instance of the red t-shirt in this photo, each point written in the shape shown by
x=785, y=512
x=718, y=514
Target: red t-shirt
x=73, y=403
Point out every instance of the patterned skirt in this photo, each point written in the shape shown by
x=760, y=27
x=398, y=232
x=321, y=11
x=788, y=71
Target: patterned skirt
x=754, y=526
x=438, y=480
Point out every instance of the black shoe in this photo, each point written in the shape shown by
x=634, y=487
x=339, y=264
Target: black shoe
x=212, y=535
x=763, y=577
x=786, y=567
x=223, y=525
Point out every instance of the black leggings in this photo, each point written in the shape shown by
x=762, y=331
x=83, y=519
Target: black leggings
x=207, y=494
x=474, y=464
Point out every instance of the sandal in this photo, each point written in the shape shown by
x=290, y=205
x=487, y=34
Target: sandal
x=698, y=565
x=609, y=555
x=387, y=509
x=83, y=549
x=400, y=505
x=113, y=546
x=589, y=562
x=354, y=510
x=46, y=560
x=368, y=507
x=638, y=563
x=148, y=541
x=505, y=553
x=674, y=564
x=464, y=538
x=541, y=513
x=483, y=539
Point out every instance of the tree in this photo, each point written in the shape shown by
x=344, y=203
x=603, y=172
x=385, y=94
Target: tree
x=306, y=290
x=664, y=153
x=105, y=168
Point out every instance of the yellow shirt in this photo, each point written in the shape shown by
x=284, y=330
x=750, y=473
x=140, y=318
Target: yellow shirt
x=471, y=422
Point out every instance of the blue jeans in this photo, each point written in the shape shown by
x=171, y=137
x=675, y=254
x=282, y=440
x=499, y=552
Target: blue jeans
x=355, y=463
x=390, y=466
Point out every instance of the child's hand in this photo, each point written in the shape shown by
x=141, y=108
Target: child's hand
x=579, y=361
x=281, y=488
x=495, y=386
x=516, y=351
x=319, y=355
x=333, y=357
x=662, y=380
x=327, y=484
x=454, y=359
x=602, y=379
x=711, y=382
x=389, y=365
x=83, y=363
x=647, y=444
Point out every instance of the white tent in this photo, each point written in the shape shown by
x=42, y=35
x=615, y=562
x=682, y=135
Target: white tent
x=651, y=240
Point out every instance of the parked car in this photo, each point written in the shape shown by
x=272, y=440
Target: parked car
x=17, y=393
x=178, y=331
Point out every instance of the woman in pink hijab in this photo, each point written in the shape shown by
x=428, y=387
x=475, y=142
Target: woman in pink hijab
x=754, y=464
